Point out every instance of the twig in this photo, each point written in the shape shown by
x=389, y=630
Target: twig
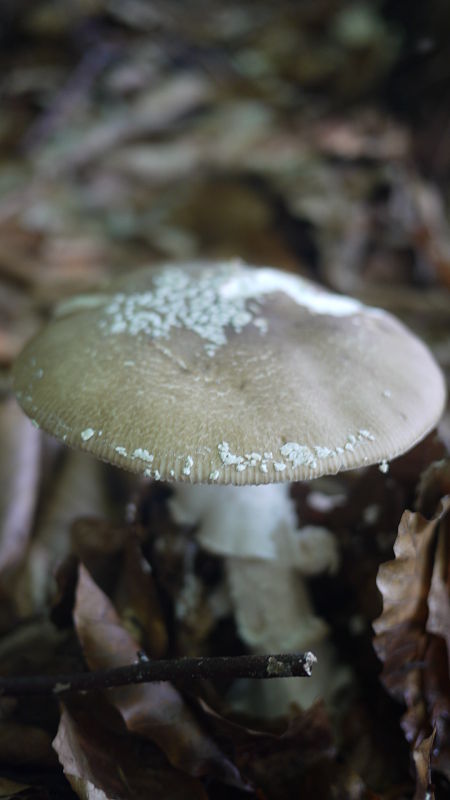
x=145, y=671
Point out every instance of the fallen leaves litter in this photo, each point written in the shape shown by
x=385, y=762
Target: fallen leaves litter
x=78, y=489
x=422, y=759
x=10, y=789
x=412, y=634
x=103, y=762
x=156, y=711
x=303, y=755
x=19, y=485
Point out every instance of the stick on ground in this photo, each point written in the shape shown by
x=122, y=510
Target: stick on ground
x=145, y=671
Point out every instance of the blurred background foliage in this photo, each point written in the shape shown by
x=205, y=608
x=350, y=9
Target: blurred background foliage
x=309, y=135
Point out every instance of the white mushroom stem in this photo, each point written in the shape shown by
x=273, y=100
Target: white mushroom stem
x=255, y=529
x=272, y=607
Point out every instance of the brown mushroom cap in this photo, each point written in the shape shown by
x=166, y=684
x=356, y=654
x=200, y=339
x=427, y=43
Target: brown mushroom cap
x=230, y=374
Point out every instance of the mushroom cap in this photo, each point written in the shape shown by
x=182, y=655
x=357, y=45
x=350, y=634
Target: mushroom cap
x=230, y=374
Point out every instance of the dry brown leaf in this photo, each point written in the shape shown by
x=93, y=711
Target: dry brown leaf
x=20, y=447
x=113, y=556
x=404, y=582
x=78, y=489
x=10, y=788
x=437, y=679
x=24, y=744
x=412, y=632
x=299, y=762
x=439, y=594
x=103, y=763
x=422, y=760
x=137, y=601
x=19, y=479
x=94, y=540
x=434, y=483
x=156, y=711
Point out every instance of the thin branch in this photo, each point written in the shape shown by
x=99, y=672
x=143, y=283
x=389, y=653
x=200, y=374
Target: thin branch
x=145, y=671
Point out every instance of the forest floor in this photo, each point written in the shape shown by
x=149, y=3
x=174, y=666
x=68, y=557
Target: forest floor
x=308, y=136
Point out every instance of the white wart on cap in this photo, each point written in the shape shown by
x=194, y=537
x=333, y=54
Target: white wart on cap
x=229, y=374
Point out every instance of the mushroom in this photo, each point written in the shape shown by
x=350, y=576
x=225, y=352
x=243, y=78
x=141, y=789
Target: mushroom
x=225, y=374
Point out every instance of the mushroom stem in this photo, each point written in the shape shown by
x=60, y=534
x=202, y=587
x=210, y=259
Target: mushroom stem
x=272, y=606
x=266, y=557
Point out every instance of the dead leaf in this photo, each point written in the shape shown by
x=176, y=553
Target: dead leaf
x=439, y=595
x=10, y=788
x=404, y=583
x=412, y=632
x=78, y=488
x=95, y=539
x=137, y=601
x=24, y=744
x=113, y=556
x=20, y=445
x=156, y=711
x=19, y=479
x=434, y=483
x=103, y=763
x=422, y=760
x=298, y=762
